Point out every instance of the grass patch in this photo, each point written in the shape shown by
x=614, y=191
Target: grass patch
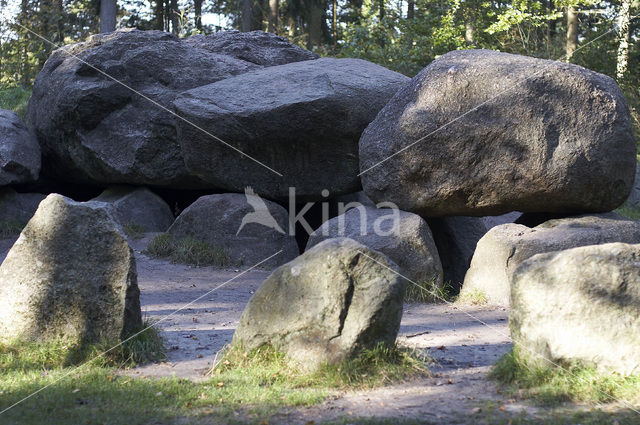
x=188, y=251
x=428, y=292
x=10, y=228
x=370, y=368
x=146, y=347
x=551, y=385
x=15, y=99
x=473, y=297
x=133, y=230
x=630, y=212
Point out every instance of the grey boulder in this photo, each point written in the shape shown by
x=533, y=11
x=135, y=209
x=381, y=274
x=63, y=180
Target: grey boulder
x=297, y=125
x=19, y=151
x=505, y=247
x=634, y=197
x=326, y=305
x=403, y=237
x=121, y=128
x=581, y=305
x=479, y=132
x=250, y=229
x=70, y=275
x=18, y=207
x=456, y=239
x=138, y=206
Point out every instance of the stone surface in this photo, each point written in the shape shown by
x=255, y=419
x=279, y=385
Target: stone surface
x=70, y=274
x=249, y=228
x=403, y=237
x=138, y=206
x=492, y=221
x=634, y=197
x=325, y=305
x=505, y=247
x=580, y=305
x=302, y=120
x=19, y=151
x=520, y=134
x=95, y=130
x=18, y=207
x=258, y=47
x=456, y=239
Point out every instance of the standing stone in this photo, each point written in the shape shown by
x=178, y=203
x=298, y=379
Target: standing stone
x=71, y=275
x=634, y=196
x=302, y=120
x=505, y=247
x=248, y=227
x=335, y=299
x=138, y=206
x=403, y=237
x=19, y=151
x=498, y=132
x=579, y=305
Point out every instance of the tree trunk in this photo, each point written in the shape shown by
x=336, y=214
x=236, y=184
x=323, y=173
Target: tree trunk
x=334, y=24
x=108, y=10
x=381, y=10
x=158, y=11
x=175, y=17
x=624, y=34
x=572, y=32
x=274, y=6
x=247, y=15
x=411, y=9
x=197, y=7
x=316, y=14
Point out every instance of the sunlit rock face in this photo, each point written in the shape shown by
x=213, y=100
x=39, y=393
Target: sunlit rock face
x=505, y=247
x=479, y=132
x=70, y=275
x=333, y=300
x=579, y=305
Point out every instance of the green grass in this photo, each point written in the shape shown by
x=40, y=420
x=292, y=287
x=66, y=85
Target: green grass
x=629, y=212
x=256, y=385
x=428, y=292
x=15, y=99
x=10, y=228
x=473, y=297
x=134, y=231
x=552, y=385
x=188, y=251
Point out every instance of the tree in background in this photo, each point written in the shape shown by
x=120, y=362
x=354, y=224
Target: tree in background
x=108, y=11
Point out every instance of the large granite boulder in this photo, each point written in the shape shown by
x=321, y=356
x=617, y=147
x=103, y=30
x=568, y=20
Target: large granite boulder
x=138, y=206
x=579, y=305
x=115, y=124
x=335, y=299
x=403, y=237
x=70, y=274
x=298, y=123
x=258, y=47
x=479, y=132
x=505, y=247
x=17, y=207
x=456, y=239
x=249, y=228
x=19, y=151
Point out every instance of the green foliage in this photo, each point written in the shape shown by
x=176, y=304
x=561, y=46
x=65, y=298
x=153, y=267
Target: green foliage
x=10, y=228
x=145, y=345
x=428, y=292
x=473, y=297
x=133, y=230
x=572, y=382
x=188, y=250
x=370, y=368
x=15, y=99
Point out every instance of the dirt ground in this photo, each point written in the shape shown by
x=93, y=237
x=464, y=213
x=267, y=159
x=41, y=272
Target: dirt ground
x=464, y=341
